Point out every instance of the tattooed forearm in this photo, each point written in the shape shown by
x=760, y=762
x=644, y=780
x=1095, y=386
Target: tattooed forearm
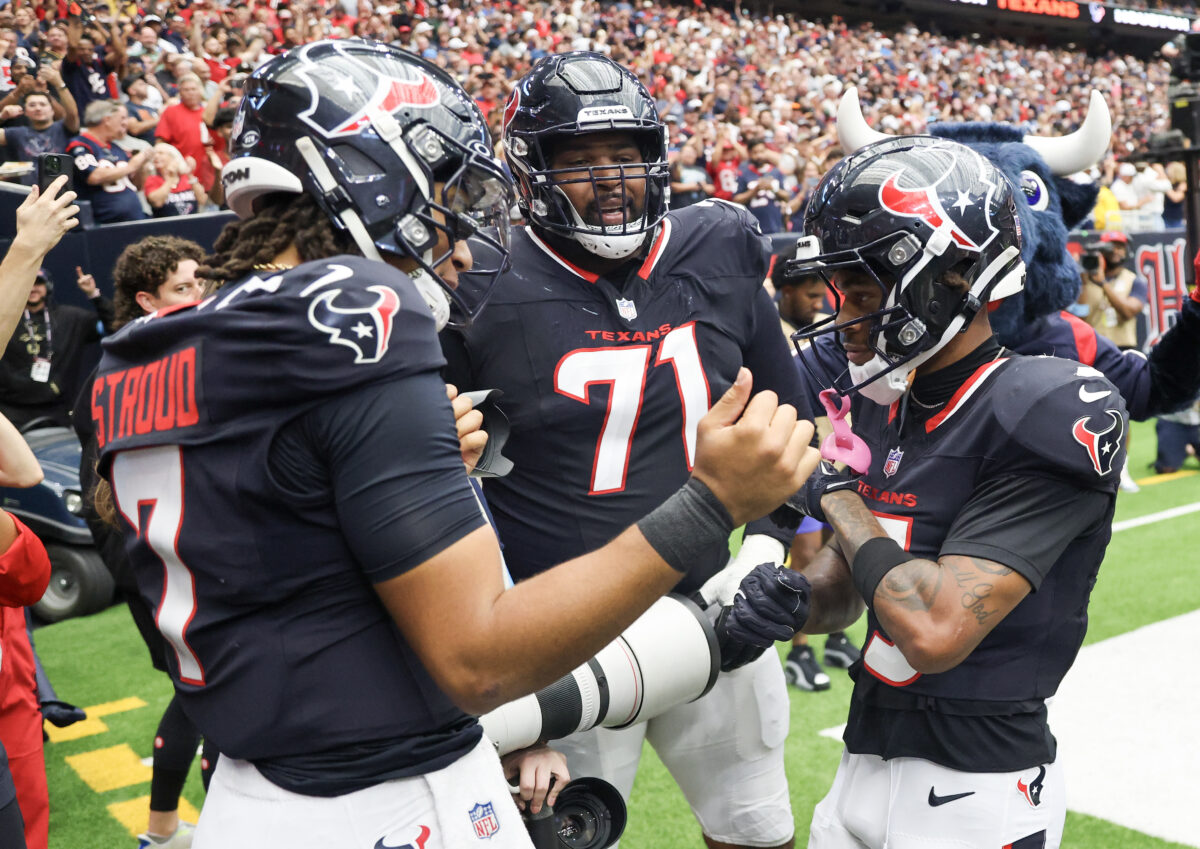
x=913, y=585
x=936, y=611
x=977, y=579
x=852, y=521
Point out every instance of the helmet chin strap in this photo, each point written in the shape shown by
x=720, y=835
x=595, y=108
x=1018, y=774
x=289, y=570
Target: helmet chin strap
x=607, y=246
x=431, y=291
x=885, y=390
x=433, y=294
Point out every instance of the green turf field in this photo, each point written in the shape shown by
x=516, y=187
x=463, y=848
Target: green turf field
x=99, y=787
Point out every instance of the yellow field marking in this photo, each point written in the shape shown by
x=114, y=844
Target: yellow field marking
x=93, y=724
x=134, y=814
x=108, y=769
x=1153, y=479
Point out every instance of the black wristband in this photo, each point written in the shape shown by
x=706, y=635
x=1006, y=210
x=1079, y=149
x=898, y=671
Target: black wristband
x=875, y=558
x=687, y=525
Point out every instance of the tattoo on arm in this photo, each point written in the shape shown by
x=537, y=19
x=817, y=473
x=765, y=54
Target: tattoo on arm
x=917, y=584
x=913, y=585
x=977, y=578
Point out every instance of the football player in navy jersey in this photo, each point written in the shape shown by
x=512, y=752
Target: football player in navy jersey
x=617, y=327
x=284, y=460
x=976, y=533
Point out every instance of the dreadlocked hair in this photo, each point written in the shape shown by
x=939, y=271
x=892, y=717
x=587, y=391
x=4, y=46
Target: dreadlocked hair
x=282, y=220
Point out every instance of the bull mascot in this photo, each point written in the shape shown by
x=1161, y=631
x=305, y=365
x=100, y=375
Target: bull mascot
x=1034, y=320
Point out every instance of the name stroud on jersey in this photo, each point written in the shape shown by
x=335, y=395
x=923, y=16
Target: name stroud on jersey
x=156, y=397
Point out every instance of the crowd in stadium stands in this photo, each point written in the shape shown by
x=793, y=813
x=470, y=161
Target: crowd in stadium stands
x=724, y=83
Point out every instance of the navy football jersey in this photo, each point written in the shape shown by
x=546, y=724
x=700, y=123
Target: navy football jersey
x=1025, y=437
x=281, y=648
x=111, y=202
x=604, y=384
x=1070, y=337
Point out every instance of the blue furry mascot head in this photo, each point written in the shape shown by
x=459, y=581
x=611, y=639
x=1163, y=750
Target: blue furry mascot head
x=1054, y=205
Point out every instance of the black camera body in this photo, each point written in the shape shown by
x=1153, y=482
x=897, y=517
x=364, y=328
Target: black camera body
x=589, y=814
x=1089, y=260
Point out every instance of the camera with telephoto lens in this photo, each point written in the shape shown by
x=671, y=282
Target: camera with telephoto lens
x=1089, y=260
x=589, y=814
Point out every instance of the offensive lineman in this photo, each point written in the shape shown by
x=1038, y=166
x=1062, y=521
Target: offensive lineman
x=977, y=532
x=615, y=329
x=284, y=458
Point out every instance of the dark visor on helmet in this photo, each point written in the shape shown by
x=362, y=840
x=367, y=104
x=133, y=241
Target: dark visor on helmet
x=474, y=205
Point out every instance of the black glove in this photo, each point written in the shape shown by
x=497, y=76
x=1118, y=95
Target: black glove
x=771, y=605
x=807, y=501
x=61, y=714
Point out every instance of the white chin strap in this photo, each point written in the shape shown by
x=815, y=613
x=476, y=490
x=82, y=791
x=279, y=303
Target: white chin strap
x=432, y=293
x=434, y=296
x=615, y=245
x=886, y=390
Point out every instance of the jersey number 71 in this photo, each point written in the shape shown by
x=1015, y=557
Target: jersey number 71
x=624, y=370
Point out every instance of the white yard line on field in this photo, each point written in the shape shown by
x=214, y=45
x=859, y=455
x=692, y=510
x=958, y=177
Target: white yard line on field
x=1161, y=516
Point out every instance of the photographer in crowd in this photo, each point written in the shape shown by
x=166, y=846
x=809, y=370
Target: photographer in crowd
x=1112, y=294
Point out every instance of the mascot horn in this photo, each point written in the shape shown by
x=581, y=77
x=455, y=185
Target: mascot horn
x=1038, y=166
x=1033, y=321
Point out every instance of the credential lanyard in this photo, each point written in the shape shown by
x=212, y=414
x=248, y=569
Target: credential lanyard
x=33, y=338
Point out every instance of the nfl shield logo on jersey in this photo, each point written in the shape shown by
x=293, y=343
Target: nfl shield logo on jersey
x=892, y=464
x=483, y=817
x=626, y=309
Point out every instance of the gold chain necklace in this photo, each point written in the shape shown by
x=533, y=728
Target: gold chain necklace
x=272, y=266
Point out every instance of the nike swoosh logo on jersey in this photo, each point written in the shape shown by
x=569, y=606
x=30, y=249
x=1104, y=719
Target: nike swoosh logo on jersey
x=935, y=799
x=1088, y=397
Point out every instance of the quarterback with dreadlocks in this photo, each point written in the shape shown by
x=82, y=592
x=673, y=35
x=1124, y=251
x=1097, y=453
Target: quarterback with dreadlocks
x=284, y=462
x=975, y=531
x=616, y=328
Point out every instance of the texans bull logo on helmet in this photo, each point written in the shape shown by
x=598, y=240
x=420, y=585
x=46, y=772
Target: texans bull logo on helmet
x=360, y=319
x=925, y=203
x=405, y=87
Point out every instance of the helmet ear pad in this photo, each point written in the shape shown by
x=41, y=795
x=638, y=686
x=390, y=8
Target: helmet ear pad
x=936, y=302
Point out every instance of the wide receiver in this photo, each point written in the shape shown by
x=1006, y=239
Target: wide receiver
x=615, y=330
x=975, y=535
x=284, y=459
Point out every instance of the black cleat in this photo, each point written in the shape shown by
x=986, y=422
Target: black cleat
x=802, y=670
x=840, y=652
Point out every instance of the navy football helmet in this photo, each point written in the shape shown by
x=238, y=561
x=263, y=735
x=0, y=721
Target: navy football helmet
x=367, y=130
x=907, y=211
x=572, y=94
